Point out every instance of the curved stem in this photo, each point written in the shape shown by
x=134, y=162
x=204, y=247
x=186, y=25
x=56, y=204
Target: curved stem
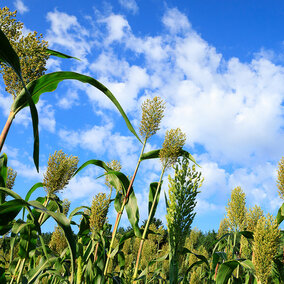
x=147, y=226
x=6, y=129
x=119, y=214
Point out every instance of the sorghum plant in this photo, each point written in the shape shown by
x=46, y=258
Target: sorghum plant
x=265, y=246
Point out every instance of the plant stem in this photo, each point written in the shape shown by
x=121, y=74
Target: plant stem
x=119, y=214
x=6, y=129
x=21, y=270
x=45, y=203
x=147, y=226
x=15, y=271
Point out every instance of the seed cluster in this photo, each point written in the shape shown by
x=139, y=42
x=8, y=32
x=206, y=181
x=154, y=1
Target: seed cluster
x=280, y=179
x=152, y=114
x=265, y=246
x=59, y=171
x=31, y=50
x=11, y=176
x=99, y=210
x=173, y=143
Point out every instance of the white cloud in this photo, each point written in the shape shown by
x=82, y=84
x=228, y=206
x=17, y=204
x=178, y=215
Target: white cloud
x=230, y=109
x=176, y=21
x=68, y=33
x=69, y=100
x=26, y=171
x=117, y=27
x=20, y=6
x=129, y=5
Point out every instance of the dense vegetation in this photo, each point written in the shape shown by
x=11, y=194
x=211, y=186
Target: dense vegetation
x=248, y=247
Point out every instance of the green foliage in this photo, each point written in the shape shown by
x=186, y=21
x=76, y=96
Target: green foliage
x=97, y=254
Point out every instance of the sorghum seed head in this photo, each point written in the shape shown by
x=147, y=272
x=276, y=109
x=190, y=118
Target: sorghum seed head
x=11, y=176
x=173, y=143
x=99, y=210
x=152, y=114
x=59, y=171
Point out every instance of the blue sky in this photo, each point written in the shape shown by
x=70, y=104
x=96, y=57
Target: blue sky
x=217, y=64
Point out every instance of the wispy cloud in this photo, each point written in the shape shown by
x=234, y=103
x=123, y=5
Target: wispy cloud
x=20, y=6
x=129, y=5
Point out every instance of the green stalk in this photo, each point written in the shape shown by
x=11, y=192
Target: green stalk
x=45, y=203
x=6, y=129
x=15, y=272
x=147, y=226
x=119, y=214
x=21, y=270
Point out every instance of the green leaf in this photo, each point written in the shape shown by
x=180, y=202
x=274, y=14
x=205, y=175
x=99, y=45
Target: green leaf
x=280, y=215
x=225, y=271
x=49, y=83
x=8, y=55
x=64, y=223
x=3, y=175
x=59, y=54
x=247, y=234
x=30, y=192
x=199, y=256
x=154, y=154
x=152, y=192
x=43, y=264
x=132, y=211
x=9, y=210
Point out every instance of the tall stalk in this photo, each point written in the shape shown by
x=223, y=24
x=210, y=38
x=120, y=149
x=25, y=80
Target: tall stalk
x=173, y=143
x=147, y=225
x=6, y=129
x=119, y=214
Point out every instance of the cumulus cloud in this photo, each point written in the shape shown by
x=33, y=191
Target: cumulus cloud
x=117, y=27
x=231, y=111
x=66, y=32
x=20, y=6
x=129, y=5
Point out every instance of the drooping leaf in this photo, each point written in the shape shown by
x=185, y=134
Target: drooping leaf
x=3, y=175
x=154, y=187
x=154, y=154
x=59, y=54
x=8, y=54
x=49, y=83
x=280, y=215
x=30, y=192
x=225, y=271
x=247, y=234
x=132, y=211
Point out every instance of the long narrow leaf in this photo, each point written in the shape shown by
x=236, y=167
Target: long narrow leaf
x=8, y=54
x=49, y=83
x=154, y=154
x=59, y=54
x=225, y=271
